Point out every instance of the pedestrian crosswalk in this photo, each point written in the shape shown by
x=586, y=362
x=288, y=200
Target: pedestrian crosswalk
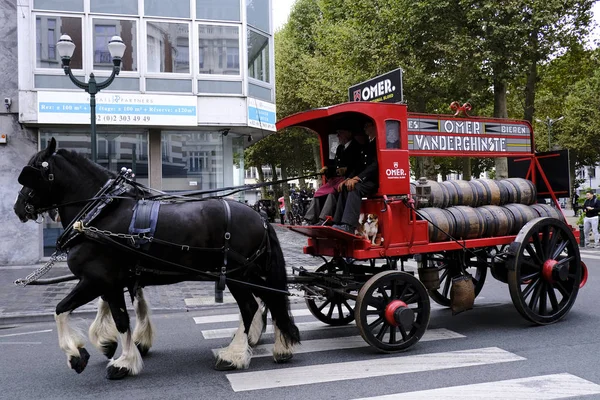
x=323, y=339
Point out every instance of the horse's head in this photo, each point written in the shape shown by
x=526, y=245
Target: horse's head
x=37, y=179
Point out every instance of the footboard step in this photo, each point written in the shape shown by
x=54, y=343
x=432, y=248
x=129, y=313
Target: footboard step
x=543, y=387
x=378, y=366
x=348, y=342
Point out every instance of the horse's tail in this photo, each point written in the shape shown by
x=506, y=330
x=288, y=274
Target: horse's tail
x=278, y=302
x=276, y=275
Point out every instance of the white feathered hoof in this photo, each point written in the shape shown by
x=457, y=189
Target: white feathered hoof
x=281, y=358
x=224, y=365
x=79, y=363
x=116, y=373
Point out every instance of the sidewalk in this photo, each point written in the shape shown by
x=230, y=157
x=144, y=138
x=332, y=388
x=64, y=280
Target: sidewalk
x=37, y=303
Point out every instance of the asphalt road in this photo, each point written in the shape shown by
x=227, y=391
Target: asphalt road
x=490, y=344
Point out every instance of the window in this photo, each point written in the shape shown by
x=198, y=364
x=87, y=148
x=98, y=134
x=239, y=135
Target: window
x=258, y=56
x=219, y=49
x=126, y=7
x=104, y=30
x=162, y=8
x=258, y=14
x=168, y=47
x=220, y=10
x=196, y=160
x=48, y=30
x=58, y=5
x=392, y=134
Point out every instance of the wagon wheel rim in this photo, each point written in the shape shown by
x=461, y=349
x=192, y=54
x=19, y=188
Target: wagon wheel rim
x=476, y=268
x=381, y=296
x=336, y=309
x=544, y=270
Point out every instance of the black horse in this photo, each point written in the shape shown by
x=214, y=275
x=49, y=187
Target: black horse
x=190, y=243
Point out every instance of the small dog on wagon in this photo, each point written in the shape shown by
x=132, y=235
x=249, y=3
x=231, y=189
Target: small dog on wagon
x=368, y=226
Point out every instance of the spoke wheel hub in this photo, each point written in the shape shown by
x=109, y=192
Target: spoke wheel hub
x=552, y=271
x=397, y=313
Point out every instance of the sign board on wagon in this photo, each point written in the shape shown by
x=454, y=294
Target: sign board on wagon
x=386, y=88
x=468, y=135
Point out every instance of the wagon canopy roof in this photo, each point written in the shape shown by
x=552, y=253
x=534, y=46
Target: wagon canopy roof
x=327, y=119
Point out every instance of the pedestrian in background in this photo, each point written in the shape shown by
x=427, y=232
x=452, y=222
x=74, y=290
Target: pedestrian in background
x=591, y=207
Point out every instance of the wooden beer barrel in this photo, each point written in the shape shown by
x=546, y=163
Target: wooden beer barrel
x=521, y=215
x=545, y=210
x=460, y=193
x=496, y=193
x=482, y=193
x=520, y=190
x=430, y=194
x=468, y=223
x=442, y=220
x=497, y=221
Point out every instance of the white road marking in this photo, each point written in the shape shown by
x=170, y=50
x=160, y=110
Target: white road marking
x=235, y=317
x=378, y=366
x=544, y=387
x=348, y=342
x=303, y=327
x=25, y=333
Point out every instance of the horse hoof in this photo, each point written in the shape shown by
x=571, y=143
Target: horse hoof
x=79, y=363
x=109, y=349
x=143, y=349
x=115, y=373
x=223, y=365
x=282, y=358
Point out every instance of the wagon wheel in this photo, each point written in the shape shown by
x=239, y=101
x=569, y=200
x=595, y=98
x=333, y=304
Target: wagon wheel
x=449, y=266
x=544, y=270
x=336, y=309
x=392, y=311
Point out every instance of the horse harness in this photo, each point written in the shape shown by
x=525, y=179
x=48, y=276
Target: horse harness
x=141, y=231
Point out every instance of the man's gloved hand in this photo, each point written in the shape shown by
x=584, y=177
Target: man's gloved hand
x=323, y=170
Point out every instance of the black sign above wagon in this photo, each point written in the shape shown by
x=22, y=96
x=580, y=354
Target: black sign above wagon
x=386, y=88
x=468, y=135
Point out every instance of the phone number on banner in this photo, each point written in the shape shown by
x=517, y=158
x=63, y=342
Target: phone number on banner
x=111, y=118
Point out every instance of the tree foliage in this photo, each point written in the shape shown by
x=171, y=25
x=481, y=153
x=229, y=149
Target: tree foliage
x=517, y=58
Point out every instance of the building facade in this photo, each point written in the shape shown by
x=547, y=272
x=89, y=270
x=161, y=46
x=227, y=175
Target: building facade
x=196, y=86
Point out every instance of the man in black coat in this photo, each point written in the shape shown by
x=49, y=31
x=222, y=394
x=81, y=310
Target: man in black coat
x=352, y=190
x=346, y=164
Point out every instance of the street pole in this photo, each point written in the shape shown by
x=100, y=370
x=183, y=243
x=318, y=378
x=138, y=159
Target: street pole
x=116, y=47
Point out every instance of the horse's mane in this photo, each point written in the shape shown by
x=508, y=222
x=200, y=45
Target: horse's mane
x=77, y=159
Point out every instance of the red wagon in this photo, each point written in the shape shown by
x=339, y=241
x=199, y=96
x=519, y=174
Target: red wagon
x=537, y=255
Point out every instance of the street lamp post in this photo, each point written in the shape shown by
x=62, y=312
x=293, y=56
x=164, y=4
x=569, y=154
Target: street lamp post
x=549, y=122
x=66, y=48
